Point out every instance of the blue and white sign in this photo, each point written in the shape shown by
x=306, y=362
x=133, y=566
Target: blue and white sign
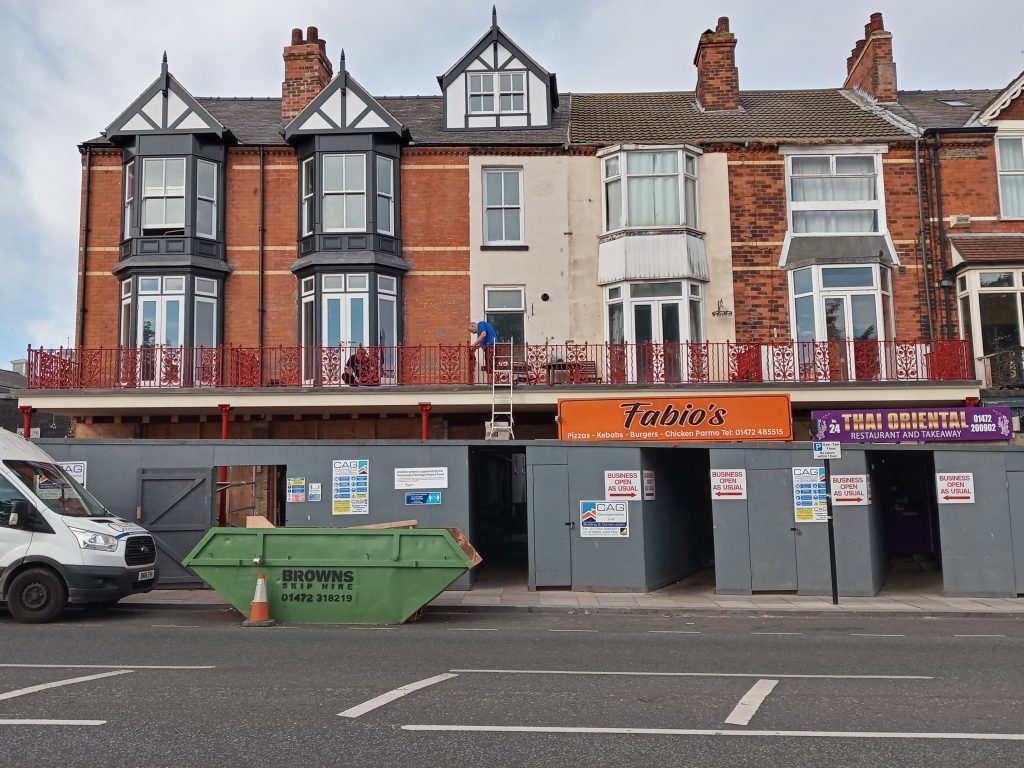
x=350, y=487
x=418, y=499
x=604, y=519
x=827, y=449
x=810, y=495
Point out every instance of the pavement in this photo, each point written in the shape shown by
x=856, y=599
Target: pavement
x=906, y=591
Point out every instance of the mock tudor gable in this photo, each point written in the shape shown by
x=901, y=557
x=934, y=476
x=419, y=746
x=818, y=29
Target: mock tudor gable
x=164, y=107
x=344, y=106
x=497, y=85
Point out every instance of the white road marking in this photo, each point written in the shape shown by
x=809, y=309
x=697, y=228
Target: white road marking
x=674, y=631
x=387, y=698
x=979, y=635
x=101, y=666
x=686, y=674
x=872, y=634
x=572, y=630
x=721, y=732
x=175, y=626
x=60, y=683
x=53, y=722
x=472, y=629
x=776, y=633
x=752, y=699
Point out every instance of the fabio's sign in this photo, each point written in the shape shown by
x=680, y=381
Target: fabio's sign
x=671, y=419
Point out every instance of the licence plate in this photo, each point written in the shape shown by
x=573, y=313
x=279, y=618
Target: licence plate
x=146, y=575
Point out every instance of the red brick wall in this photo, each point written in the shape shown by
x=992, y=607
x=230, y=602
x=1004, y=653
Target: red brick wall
x=718, y=80
x=435, y=232
x=102, y=289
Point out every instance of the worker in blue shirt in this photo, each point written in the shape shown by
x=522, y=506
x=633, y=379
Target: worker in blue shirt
x=485, y=340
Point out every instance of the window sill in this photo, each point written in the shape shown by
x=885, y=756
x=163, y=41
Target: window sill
x=504, y=247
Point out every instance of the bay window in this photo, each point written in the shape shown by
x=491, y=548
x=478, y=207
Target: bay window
x=385, y=195
x=308, y=192
x=990, y=303
x=344, y=193
x=129, y=199
x=1010, y=162
x=650, y=189
x=206, y=198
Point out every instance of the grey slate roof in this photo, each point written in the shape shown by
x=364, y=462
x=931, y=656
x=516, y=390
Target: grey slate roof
x=927, y=109
x=771, y=116
x=251, y=121
x=423, y=116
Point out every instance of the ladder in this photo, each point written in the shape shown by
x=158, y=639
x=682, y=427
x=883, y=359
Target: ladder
x=502, y=379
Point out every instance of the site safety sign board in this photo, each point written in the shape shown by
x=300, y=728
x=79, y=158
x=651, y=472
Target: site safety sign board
x=848, y=490
x=350, y=487
x=648, y=485
x=296, y=487
x=955, y=487
x=728, y=484
x=810, y=497
x=621, y=484
x=604, y=519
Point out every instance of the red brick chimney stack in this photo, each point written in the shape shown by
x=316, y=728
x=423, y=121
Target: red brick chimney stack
x=307, y=71
x=718, y=80
x=870, y=66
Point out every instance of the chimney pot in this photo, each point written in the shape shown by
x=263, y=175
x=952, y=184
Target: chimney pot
x=723, y=24
x=296, y=36
x=307, y=71
x=312, y=35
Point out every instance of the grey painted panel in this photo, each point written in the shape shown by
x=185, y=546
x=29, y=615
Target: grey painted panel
x=1016, y=487
x=977, y=552
x=731, y=531
x=547, y=454
x=550, y=516
x=177, y=508
x=770, y=510
x=605, y=563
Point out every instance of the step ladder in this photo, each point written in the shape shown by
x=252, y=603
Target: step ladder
x=502, y=379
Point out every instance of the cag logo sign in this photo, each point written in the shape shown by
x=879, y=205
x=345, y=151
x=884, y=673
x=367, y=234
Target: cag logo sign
x=807, y=471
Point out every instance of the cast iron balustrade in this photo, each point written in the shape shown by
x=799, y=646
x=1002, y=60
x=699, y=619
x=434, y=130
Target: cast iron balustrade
x=569, y=364
x=1005, y=369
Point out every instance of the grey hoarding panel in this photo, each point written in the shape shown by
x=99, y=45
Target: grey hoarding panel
x=1016, y=486
x=977, y=552
x=732, y=531
x=772, y=546
x=550, y=517
x=177, y=508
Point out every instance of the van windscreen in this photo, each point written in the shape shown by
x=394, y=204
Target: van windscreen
x=56, y=489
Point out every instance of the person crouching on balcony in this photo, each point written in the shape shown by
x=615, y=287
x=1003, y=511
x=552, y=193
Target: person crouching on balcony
x=485, y=340
x=356, y=367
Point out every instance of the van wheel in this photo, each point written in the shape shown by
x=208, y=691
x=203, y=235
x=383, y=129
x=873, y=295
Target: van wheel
x=36, y=596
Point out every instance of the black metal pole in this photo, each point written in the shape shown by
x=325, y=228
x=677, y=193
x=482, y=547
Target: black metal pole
x=831, y=534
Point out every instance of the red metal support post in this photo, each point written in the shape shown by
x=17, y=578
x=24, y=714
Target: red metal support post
x=27, y=411
x=222, y=514
x=425, y=416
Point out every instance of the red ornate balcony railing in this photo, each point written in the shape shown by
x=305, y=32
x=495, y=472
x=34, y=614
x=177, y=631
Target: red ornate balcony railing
x=532, y=364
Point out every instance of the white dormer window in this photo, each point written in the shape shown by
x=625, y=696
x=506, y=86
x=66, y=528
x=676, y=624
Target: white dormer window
x=509, y=96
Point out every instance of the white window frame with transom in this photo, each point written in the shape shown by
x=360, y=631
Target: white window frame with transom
x=1010, y=169
x=495, y=93
x=674, y=203
x=351, y=192
x=504, y=210
x=841, y=162
x=979, y=291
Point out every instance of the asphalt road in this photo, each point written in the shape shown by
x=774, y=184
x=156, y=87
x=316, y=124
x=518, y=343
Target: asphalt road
x=512, y=690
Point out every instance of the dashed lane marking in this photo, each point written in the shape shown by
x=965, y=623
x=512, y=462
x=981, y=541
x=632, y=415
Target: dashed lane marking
x=752, y=699
x=472, y=629
x=872, y=634
x=674, y=631
x=685, y=674
x=103, y=666
x=60, y=683
x=52, y=722
x=572, y=630
x=776, y=633
x=397, y=693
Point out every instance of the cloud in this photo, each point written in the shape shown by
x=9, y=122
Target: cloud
x=70, y=67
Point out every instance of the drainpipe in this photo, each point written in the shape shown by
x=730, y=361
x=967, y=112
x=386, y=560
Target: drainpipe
x=260, y=309
x=922, y=236
x=26, y=412
x=937, y=165
x=222, y=515
x=85, y=247
x=425, y=419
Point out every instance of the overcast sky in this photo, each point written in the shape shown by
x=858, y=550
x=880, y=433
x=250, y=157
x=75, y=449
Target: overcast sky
x=69, y=67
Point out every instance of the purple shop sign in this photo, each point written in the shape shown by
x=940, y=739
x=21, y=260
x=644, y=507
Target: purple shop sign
x=926, y=425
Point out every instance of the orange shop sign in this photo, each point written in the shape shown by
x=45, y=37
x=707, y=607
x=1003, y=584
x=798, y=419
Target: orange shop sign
x=671, y=419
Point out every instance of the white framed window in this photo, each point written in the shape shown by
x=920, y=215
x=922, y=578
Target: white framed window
x=357, y=282
x=307, y=286
x=503, y=206
x=511, y=92
x=163, y=195
x=308, y=194
x=387, y=284
x=129, y=198
x=385, y=195
x=1010, y=164
x=650, y=189
x=206, y=198
x=126, y=288
x=481, y=93
x=991, y=304
x=174, y=285
x=205, y=286
x=149, y=285
x=505, y=310
x=205, y=322
x=838, y=193
x=344, y=193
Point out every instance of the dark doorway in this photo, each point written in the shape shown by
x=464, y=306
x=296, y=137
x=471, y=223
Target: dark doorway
x=497, y=515
x=903, y=485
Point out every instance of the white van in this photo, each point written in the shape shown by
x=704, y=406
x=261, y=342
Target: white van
x=58, y=545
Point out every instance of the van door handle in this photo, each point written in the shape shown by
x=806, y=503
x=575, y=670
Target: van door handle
x=571, y=524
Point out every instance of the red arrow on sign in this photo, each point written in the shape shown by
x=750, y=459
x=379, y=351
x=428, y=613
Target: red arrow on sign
x=728, y=493
x=849, y=498
x=956, y=497
x=628, y=495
